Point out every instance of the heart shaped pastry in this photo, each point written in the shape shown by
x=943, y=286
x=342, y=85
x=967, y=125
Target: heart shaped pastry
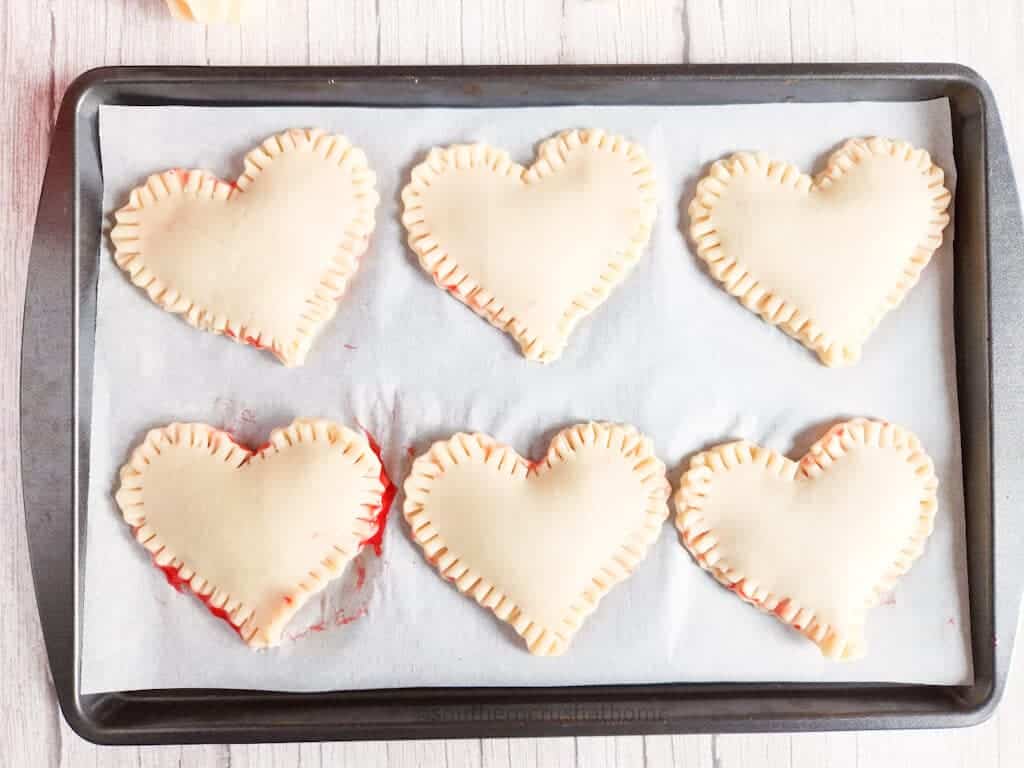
x=538, y=543
x=532, y=250
x=814, y=542
x=824, y=259
x=263, y=260
x=254, y=534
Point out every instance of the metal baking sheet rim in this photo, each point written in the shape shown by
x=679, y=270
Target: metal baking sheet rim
x=56, y=378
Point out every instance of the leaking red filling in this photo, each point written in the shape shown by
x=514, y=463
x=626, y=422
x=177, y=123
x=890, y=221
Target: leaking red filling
x=174, y=578
x=340, y=619
x=380, y=518
x=184, y=174
x=252, y=341
x=380, y=512
x=251, y=451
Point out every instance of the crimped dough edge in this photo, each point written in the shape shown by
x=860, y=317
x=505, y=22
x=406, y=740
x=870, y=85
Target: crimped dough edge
x=550, y=158
x=219, y=444
x=699, y=537
x=321, y=303
x=540, y=640
x=764, y=300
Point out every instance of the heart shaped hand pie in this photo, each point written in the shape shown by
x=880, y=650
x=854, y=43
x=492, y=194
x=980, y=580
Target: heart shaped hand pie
x=532, y=250
x=263, y=260
x=538, y=543
x=816, y=542
x=254, y=534
x=823, y=259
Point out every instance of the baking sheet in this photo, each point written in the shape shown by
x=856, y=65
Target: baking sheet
x=669, y=352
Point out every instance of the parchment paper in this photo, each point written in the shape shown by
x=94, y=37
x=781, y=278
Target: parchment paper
x=670, y=352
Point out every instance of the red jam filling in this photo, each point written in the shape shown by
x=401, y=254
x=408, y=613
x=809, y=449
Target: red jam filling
x=252, y=341
x=251, y=451
x=174, y=578
x=380, y=513
x=340, y=619
x=380, y=518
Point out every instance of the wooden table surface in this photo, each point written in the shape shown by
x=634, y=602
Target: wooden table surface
x=44, y=44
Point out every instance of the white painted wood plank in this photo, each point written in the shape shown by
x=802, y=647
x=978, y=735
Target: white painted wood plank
x=30, y=729
x=936, y=749
x=415, y=754
x=738, y=751
x=467, y=753
x=524, y=32
x=823, y=750
x=342, y=33
x=622, y=31
x=142, y=37
x=497, y=753
x=370, y=754
x=528, y=753
x=213, y=755
x=46, y=45
x=1009, y=733
x=420, y=32
x=264, y=755
x=549, y=753
x=817, y=33
x=610, y=752
x=688, y=751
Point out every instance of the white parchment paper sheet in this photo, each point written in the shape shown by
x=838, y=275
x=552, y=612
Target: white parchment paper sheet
x=670, y=352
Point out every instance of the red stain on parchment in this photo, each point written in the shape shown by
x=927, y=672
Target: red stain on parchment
x=174, y=578
x=360, y=574
x=340, y=619
x=379, y=513
x=252, y=341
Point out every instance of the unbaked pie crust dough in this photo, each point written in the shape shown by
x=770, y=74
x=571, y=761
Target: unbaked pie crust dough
x=814, y=542
x=254, y=534
x=825, y=258
x=532, y=250
x=539, y=543
x=263, y=260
